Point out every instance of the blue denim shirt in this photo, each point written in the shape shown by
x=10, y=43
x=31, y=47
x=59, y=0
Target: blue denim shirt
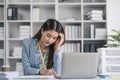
x=31, y=58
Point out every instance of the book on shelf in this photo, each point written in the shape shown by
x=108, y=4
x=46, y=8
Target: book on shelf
x=87, y=32
x=86, y=48
x=35, y=14
x=71, y=47
x=91, y=47
x=79, y=32
x=1, y=25
x=1, y=13
x=1, y=52
x=98, y=46
x=12, y=13
x=66, y=31
x=92, y=31
x=9, y=13
x=1, y=32
x=69, y=32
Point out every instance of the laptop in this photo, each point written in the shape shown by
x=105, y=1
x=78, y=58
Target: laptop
x=79, y=65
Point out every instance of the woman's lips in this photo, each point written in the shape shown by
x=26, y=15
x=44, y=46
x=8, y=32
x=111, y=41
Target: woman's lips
x=47, y=42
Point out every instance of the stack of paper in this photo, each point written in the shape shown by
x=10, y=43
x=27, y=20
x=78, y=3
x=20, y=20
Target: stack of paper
x=8, y=75
x=19, y=68
x=95, y=15
x=100, y=33
x=24, y=31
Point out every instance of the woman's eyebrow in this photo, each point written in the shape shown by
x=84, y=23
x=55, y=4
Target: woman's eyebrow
x=49, y=34
x=53, y=35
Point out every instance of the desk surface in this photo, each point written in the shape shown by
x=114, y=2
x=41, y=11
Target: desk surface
x=37, y=77
x=110, y=78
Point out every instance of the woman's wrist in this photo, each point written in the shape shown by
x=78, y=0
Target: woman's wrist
x=57, y=48
x=41, y=72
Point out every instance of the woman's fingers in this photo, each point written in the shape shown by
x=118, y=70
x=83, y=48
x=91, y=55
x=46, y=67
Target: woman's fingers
x=51, y=72
x=62, y=37
x=48, y=72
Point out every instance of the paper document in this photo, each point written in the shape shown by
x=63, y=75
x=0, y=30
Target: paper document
x=8, y=75
x=36, y=77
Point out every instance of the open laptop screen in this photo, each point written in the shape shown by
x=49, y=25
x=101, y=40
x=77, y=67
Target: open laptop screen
x=79, y=65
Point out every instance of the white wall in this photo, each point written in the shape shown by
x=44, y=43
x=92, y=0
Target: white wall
x=113, y=15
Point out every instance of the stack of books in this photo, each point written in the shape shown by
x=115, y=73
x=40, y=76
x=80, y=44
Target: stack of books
x=100, y=33
x=95, y=15
x=36, y=14
x=24, y=31
x=1, y=52
x=19, y=68
x=17, y=52
x=1, y=32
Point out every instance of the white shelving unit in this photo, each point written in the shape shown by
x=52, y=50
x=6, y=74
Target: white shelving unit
x=2, y=30
x=110, y=60
x=72, y=14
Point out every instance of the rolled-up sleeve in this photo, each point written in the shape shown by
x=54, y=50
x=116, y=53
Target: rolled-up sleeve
x=57, y=61
x=27, y=69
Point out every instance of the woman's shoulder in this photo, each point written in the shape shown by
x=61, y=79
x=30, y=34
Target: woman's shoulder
x=29, y=40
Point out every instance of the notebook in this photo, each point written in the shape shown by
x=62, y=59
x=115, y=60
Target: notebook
x=79, y=65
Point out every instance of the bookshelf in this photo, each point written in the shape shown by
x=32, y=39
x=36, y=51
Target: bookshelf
x=72, y=14
x=2, y=30
x=110, y=61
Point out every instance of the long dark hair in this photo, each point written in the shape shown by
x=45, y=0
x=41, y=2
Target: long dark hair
x=50, y=24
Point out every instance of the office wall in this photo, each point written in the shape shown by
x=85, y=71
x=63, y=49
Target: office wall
x=113, y=15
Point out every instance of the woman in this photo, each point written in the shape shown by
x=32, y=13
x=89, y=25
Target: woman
x=41, y=54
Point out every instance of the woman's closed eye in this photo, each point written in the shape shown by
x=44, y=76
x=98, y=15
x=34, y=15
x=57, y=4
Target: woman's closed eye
x=48, y=35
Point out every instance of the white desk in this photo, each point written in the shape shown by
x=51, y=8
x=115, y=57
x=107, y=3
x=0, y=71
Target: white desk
x=112, y=78
x=65, y=79
x=55, y=79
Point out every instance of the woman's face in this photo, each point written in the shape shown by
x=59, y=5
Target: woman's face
x=48, y=37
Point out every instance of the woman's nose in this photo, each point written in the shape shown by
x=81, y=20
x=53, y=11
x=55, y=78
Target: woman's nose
x=50, y=40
